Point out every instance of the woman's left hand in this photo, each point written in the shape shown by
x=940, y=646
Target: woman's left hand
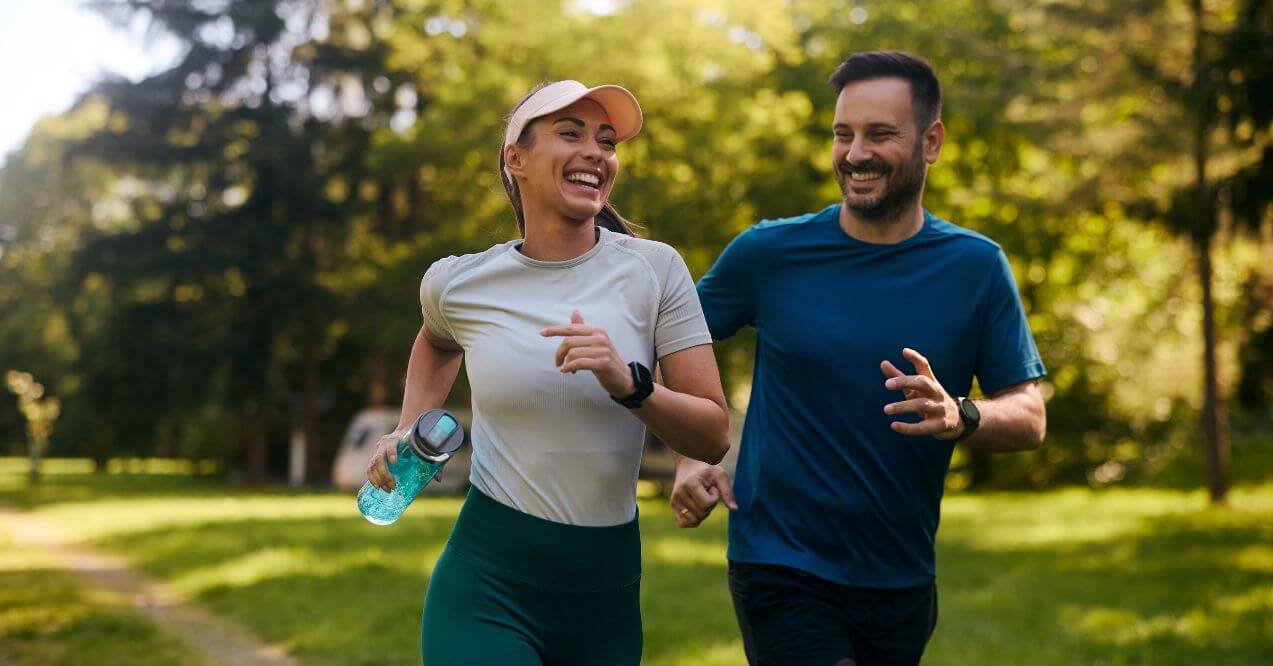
x=586, y=347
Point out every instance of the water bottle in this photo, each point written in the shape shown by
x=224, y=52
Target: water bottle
x=422, y=452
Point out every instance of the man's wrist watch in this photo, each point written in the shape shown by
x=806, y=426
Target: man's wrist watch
x=644, y=383
x=970, y=415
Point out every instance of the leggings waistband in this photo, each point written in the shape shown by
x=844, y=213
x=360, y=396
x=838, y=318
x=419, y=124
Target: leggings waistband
x=545, y=553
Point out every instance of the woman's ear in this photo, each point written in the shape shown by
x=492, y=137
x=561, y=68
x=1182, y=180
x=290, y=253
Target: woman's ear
x=514, y=160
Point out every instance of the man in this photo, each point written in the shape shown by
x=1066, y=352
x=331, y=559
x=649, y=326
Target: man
x=844, y=454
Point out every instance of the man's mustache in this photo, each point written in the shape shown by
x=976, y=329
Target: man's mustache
x=866, y=167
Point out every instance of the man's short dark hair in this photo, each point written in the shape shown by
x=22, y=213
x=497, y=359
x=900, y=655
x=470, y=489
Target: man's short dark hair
x=925, y=90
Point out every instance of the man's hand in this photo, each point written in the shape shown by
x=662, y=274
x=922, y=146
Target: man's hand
x=924, y=396
x=586, y=347
x=697, y=489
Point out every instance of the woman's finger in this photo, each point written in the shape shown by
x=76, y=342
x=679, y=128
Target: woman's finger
x=583, y=364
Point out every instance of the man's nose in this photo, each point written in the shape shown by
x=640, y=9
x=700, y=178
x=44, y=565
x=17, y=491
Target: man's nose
x=859, y=153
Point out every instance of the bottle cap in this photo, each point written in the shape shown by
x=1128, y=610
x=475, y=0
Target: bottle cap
x=436, y=435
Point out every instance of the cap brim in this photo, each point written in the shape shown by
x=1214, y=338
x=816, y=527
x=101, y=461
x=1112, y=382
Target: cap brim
x=620, y=106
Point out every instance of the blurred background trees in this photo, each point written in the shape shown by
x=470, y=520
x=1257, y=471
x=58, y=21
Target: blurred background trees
x=212, y=260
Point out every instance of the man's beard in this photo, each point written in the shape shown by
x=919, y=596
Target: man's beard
x=903, y=189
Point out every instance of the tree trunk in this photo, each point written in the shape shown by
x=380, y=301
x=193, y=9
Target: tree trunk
x=1215, y=426
x=978, y=468
x=258, y=441
x=309, y=409
x=377, y=391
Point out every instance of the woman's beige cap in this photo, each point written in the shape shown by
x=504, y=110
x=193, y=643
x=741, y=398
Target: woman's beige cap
x=619, y=104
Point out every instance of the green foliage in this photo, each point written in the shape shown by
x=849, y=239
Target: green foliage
x=204, y=261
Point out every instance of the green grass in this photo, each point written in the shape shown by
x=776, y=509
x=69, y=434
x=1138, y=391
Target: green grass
x=50, y=618
x=1062, y=577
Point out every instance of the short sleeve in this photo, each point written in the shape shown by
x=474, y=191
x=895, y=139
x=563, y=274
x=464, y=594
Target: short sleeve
x=728, y=291
x=680, y=324
x=1006, y=352
x=432, y=287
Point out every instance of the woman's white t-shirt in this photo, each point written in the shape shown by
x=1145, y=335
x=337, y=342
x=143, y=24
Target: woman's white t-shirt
x=549, y=444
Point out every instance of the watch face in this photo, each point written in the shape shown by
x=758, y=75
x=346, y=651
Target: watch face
x=970, y=409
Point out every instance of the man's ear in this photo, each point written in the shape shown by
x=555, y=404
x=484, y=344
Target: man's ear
x=933, y=140
x=514, y=159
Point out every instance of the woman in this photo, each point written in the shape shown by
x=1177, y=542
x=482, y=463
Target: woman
x=560, y=330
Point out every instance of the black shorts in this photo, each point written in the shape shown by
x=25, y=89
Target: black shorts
x=789, y=617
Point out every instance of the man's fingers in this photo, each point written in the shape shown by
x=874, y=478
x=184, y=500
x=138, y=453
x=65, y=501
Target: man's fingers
x=926, y=427
x=576, y=317
x=891, y=370
x=918, y=383
x=924, y=406
x=687, y=515
x=726, y=489
x=919, y=361
x=698, y=497
x=686, y=518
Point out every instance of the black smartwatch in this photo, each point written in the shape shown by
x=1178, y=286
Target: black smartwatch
x=970, y=415
x=644, y=383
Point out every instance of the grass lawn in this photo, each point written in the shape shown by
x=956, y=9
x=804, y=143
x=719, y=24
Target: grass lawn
x=1062, y=577
x=49, y=617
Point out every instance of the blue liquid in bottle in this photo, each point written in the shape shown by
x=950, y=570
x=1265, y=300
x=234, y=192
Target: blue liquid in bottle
x=411, y=474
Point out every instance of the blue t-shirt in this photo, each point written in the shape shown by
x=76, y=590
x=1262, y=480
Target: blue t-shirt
x=823, y=483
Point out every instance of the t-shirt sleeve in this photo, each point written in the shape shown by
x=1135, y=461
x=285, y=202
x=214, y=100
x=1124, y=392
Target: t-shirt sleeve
x=680, y=324
x=728, y=290
x=1006, y=353
x=432, y=287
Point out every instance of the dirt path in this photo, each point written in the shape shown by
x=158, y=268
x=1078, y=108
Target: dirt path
x=221, y=641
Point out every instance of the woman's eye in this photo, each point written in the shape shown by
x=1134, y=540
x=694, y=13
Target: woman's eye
x=609, y=143
x=571, y=133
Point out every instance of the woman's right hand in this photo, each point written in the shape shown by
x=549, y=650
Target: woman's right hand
x=386, y=454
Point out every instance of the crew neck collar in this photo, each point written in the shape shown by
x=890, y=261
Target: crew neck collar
x=603, y=236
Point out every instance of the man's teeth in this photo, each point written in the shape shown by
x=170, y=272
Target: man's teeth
x=864, y=175
x=585, y=178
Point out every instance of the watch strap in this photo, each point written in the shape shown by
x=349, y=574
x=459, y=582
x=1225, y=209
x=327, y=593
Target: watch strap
x=970, y=422
x=643, y=381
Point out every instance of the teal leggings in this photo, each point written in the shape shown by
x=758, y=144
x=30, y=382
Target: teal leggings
x=516, y=590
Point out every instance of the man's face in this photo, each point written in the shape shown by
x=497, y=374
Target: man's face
x=879, y=155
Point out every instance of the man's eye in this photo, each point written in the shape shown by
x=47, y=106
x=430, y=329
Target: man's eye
x=608, y=142
x=571, y=133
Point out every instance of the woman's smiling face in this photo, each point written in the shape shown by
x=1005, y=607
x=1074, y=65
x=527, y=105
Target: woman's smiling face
x=570, y=164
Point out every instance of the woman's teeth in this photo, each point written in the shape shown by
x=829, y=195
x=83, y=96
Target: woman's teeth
x=588, y=179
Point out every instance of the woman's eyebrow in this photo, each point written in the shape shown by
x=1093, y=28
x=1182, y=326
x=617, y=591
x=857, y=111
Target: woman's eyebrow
x=580, y=123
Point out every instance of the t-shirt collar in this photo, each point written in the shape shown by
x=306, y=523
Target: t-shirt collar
x=603, y=236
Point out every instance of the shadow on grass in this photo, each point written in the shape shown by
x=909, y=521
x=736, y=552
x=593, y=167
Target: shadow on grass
x=15, y=490
x=1185, y=587
x=47, y=618
x=341, y=591
x=1184, y=591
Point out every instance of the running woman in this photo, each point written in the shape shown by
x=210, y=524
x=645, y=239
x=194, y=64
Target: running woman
x=560, y=331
